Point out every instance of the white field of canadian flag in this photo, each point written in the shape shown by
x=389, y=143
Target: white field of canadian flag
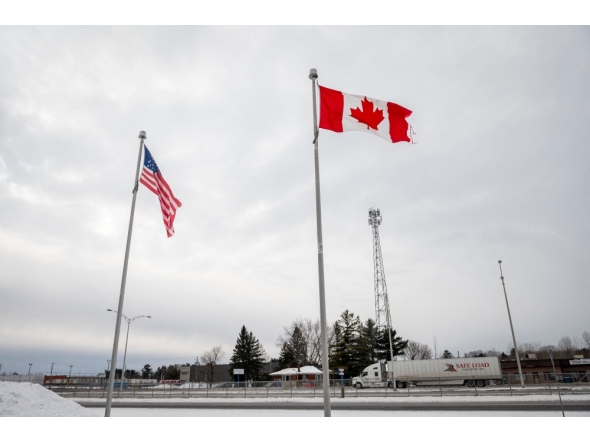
x=349, y=123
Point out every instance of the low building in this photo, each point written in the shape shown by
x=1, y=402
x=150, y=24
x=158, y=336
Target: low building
x=297, y=376
x=202, y=373
x=540, y=371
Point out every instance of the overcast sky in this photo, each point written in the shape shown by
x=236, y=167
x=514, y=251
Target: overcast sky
x=499, y=171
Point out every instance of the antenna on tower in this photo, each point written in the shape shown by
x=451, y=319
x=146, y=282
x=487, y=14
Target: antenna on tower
x=382, y=313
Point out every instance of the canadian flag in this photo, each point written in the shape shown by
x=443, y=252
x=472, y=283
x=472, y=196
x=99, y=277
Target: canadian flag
x=341, y=112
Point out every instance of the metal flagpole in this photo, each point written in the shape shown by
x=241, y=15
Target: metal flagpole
x=107, y=411
x=313, y=75
x=511, y=328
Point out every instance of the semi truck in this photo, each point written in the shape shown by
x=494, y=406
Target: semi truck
x=459, y=371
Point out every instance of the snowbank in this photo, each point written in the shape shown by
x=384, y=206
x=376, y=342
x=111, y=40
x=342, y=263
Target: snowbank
x=26, y=399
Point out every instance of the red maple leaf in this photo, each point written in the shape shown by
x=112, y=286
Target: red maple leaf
x=367, y=116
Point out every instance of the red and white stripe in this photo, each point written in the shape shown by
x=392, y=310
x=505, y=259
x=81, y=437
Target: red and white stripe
x=169, y=204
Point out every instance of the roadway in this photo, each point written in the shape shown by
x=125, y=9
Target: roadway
x=524, y=406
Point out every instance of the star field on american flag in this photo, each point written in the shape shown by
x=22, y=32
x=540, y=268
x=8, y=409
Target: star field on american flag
x=152, y=178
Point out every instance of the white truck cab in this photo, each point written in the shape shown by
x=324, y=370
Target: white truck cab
x=373, y=376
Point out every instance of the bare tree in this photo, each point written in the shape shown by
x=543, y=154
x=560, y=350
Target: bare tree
x=425, y=352
x=475, y=354
x=543, y=352
x=415, y=350
x=209, y=359
x=312, y=336
x=529, y=347
x=566, y=347
x=412, y=350
x=586, y=339
x=493, y=352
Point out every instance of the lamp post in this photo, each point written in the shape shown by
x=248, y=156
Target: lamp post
x=511, y=328
x=51, y=375
x=129, y=321
x=30, y=369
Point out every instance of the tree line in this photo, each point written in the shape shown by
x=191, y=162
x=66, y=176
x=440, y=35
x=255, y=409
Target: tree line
x=352, y=345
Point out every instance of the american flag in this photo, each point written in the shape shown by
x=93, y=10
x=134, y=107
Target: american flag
x=151, y=177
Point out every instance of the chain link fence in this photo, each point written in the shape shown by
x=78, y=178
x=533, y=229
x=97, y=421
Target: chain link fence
x=151, y=389
x=34, y=379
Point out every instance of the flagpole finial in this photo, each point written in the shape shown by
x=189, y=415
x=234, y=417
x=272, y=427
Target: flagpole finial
x=313, y=73
x=142, y=135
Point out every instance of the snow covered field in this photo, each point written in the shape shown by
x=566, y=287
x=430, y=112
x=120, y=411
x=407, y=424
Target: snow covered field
x=26, y=399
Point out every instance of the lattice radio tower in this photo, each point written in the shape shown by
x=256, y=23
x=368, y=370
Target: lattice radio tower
x=382, y=313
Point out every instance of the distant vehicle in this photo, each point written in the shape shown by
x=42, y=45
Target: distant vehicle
x=117, y=385
x=461, y=371
x=273, y=384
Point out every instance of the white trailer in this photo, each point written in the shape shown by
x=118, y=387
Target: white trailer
x=460, y=371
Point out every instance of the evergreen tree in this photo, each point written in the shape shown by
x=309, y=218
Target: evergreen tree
x=248, y=354
x=382, y=349
x=447, y=355
x=348, y=352
x=131, y=374
x=286, y=358
x=161, y=373
x=172, y=372
x=368, y=342
x=334, y=339
x=294, y=350
x=146, y=371
x=298, y=346
x=118, y=373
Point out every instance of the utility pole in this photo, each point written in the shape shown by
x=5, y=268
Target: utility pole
x=557, y=383
x=382, y=311
x=51, y=375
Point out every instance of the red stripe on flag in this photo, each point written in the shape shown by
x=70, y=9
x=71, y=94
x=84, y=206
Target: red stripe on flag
x=331, y=109
x=398, y=127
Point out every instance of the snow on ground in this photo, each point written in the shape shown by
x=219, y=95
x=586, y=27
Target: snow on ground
x=26, y=399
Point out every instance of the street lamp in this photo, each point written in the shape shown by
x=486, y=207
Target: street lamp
x=30, y=368
x=129, y=321
x=511, y=328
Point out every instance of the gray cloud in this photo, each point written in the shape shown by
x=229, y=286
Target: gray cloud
x=498, y=173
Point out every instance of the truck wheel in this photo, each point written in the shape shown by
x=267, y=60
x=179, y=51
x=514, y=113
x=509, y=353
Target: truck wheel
x=480, y=383
x=390, y=384
x=401, y=385
x=470, y=383
x=358, y=385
